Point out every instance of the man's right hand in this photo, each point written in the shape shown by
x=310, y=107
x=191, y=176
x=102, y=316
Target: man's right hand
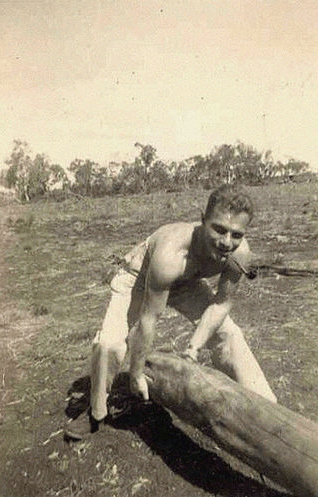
x=139, y=386
x=191, y=353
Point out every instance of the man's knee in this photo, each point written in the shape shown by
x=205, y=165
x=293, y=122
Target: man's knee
x=271, y=396
x=227, y=338
x=229, y=329
x=226, y=346
x=235, y=358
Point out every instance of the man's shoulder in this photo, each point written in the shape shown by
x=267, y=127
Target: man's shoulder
x=176, y=234
x=168, y=248
x=172, y=227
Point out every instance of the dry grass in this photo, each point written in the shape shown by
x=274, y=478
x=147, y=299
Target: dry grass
x=55, y=296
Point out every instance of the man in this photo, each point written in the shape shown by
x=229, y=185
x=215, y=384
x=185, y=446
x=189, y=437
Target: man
x=170, y=268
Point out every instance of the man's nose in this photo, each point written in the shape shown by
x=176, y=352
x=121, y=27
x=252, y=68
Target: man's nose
x=226, y=240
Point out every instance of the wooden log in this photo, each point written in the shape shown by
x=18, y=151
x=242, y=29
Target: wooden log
x=270, y=438
x=283, y=270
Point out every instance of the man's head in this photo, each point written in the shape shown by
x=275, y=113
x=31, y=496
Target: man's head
x=227, y=215
x=229, y=198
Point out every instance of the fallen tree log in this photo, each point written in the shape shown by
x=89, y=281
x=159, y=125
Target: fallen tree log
x=283, y=270
x=270, y=438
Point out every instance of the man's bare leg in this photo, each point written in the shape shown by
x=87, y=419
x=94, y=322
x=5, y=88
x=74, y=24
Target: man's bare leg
x=109, y=349
x=232, y=355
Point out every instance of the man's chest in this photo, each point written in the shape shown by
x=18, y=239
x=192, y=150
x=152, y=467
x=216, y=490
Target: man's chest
x=194, y=269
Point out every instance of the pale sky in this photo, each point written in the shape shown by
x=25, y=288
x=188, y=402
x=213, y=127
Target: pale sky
x=89, y=78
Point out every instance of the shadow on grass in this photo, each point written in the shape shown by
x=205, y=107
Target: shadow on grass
x=180, y=453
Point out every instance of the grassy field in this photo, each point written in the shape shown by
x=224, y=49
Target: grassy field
x=54, y=269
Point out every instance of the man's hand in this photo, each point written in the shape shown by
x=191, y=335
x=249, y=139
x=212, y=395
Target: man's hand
x=139, y=386
x=191, y=353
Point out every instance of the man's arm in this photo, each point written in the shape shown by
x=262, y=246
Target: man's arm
x=163, y=271
x=214, y=315
x=142, y=338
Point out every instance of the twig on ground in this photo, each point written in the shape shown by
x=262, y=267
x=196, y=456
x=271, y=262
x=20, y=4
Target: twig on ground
x=54, y=434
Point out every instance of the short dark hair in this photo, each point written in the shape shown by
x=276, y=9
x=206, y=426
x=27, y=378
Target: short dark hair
x=229, y=198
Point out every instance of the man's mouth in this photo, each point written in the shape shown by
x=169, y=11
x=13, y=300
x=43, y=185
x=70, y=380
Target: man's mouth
x=224, y=253
x=217, y=252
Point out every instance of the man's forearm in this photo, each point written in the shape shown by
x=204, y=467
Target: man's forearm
x=211, y=320
x=140, y=344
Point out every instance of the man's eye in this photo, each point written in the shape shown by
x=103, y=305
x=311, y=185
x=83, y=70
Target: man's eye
x=219, y=229
x=237, y=235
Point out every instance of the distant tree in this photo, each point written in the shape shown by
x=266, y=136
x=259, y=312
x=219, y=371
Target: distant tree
x=28, y=176
x=131, y=179
x=90, y=178
x=248, y=165
x=146, y=157
x=213, y=168
x=158, y=177
x=34, y=177
x=142, y=166
x=294, y=167
x=101, y=182
x=268, y=169
x=83, y=174
x=198, y=170
x=19, y=165
x=179, y=176
x=31, y=178
x=58, y=176
x=223, y=163
x=38, y=177
x=290, y=170
x=114, y=168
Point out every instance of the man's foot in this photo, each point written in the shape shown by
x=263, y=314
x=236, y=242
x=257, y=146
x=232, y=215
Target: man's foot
x=83, y=426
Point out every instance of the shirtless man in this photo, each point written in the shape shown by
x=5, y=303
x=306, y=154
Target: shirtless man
x=170, y=268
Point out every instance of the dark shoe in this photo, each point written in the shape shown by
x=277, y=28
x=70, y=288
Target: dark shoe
x=118, y=410
x=121, y=406
x=83, y=426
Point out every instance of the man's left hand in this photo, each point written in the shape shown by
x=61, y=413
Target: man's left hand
x=191, y=353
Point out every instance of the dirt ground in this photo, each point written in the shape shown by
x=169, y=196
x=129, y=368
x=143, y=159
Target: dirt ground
x=54, y=271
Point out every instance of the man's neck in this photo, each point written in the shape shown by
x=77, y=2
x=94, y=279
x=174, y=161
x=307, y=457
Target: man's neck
x=198, y=250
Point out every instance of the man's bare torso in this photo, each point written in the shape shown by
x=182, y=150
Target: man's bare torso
x=176, y=247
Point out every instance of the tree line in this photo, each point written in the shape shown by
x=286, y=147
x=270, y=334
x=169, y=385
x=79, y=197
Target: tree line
x=36, y=177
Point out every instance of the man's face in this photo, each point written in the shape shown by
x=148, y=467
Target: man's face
x=223, y=232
